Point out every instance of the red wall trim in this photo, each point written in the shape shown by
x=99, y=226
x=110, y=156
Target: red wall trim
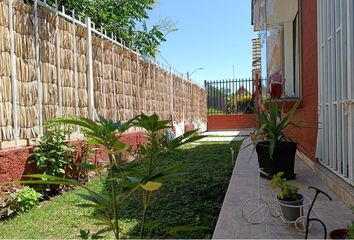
x=228, y=122
x=14, y=163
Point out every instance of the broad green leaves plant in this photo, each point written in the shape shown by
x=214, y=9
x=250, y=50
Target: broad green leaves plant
x=26, y=198
x=271, y=127
x=121, y=185
x=287, y=191
x=19, y=201
x=105, y=133
x=53, y=153
x=152, y=177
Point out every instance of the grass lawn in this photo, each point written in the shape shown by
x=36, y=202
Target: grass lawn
x=196, y=201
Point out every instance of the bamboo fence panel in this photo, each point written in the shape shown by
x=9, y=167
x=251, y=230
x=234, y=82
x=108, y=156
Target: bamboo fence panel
x=48, y=63
x=6, y=123
x=127, y=85
x=108, y=80
x=27, y=89
x=124, y=83
x=134, y=86
x=118, y=70
x=148, y=88
x=67, y=67
x=81, y=75
x=142, y=85
x=97, y=53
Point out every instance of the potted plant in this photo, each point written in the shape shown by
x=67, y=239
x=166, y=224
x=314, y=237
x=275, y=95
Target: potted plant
x=275, y=151
x=343, y=233
x=287, y=197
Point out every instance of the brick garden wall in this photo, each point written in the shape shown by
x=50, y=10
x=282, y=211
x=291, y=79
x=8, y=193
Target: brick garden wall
x=15, y=162
x=229, y=122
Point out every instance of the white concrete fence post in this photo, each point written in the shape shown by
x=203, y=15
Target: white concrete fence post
x=90, y=94
x=38, y=71
x=13, y=73
x=57, y=32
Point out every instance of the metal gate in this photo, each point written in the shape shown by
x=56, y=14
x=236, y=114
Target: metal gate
x=226, y=97
x=335, y=145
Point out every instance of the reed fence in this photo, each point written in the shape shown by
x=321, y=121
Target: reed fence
x=53, y=64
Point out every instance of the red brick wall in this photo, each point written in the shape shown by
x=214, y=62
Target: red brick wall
x=308, y=113
x=228, y=122
x=14, y=162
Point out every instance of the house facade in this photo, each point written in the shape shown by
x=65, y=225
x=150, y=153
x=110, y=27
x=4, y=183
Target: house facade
x=312, y=43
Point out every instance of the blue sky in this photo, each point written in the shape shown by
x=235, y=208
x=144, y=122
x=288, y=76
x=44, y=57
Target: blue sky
x=214, y=35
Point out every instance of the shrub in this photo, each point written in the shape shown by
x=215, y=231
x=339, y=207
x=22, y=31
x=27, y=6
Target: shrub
x=19, y=201
x=52, y=154
x=287, y=191
x=26, y=198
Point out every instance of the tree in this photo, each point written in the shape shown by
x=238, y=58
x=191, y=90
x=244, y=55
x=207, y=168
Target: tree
x=126, y=19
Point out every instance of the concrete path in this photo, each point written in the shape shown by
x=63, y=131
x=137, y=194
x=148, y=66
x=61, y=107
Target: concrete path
x=226, y=136
x=245, y=184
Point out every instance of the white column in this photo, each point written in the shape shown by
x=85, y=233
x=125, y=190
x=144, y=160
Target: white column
x=13, y=73
x=57, y=32
x=102, y=75
x=114, y=81
x=38, y=71
x=89, y=69
x=77, y=110
x=350, y=62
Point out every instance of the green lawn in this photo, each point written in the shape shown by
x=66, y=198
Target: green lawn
x=196, y=201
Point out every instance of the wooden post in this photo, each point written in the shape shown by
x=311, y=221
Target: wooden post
x=13, y=73
x=90, y=94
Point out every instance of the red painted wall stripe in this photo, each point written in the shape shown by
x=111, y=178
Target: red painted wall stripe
x=229, y=122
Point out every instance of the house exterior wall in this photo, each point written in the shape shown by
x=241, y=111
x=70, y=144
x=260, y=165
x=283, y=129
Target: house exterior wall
x=308, y=114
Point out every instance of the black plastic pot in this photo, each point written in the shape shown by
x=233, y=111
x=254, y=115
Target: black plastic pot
x=339, y=234
x=292, y=213
x=283, y=159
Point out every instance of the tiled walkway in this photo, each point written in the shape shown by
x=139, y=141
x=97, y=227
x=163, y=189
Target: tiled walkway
x=226, y=136
x=245, y=183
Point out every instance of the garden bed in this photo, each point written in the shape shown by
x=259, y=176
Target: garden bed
x=194, y=201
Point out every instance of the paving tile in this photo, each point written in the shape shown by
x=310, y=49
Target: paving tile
x=245, y=183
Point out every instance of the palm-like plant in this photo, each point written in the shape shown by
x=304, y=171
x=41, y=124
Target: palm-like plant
x=152, y=177
x=272, y=128
x=104, y=133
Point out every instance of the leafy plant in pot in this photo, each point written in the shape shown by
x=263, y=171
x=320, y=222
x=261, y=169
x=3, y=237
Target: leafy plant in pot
x=288, y=197
x=275, y=151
